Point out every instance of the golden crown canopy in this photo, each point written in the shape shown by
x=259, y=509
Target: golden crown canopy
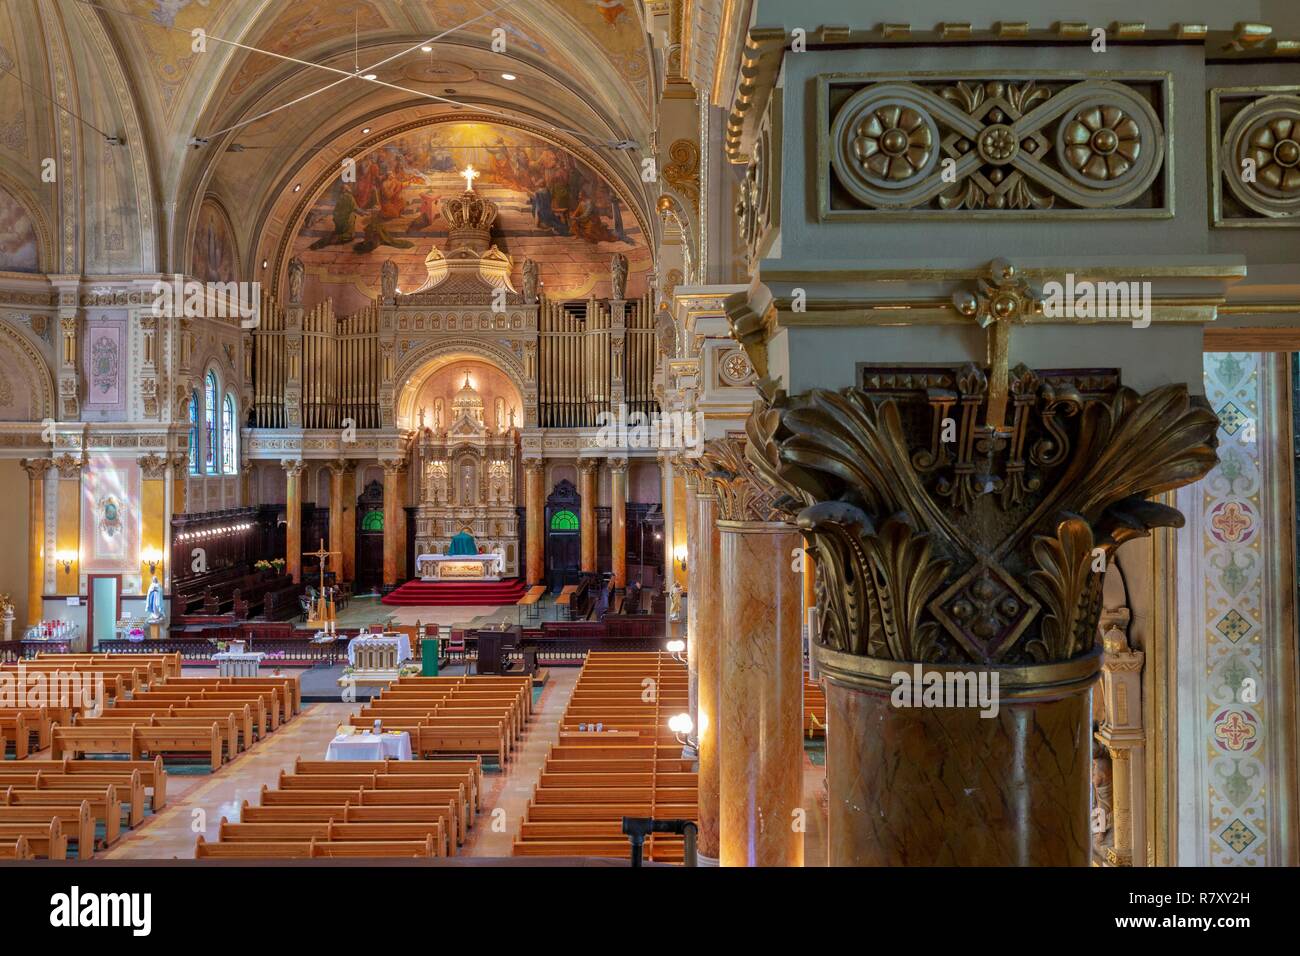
x=469, y=219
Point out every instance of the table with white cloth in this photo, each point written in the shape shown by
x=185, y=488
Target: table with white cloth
x=367, y=746
x=399, y=640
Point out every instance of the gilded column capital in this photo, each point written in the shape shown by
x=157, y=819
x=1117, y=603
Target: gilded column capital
x=535, y=466
x=153, y=467
x=36, y=468
x=69, y=466
x=982, y=548
x=393, y=466
x=293, y=467
x=589, y=465
x=180, y=465
x=740, y=489
x=617, y=465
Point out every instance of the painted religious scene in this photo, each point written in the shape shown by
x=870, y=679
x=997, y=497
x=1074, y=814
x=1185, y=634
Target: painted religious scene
x=18, y=247
x=553, y=208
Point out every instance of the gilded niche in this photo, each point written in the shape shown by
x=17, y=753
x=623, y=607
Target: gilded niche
x=1060, y=145
x=939, y=538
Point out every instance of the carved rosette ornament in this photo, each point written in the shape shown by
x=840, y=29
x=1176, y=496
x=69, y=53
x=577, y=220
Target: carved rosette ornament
x=993, y=144
x=983, y=549
x=1260, y=157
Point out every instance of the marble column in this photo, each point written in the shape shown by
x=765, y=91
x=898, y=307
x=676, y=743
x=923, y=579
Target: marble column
x=36, y=469
x=336, y=517
x=348, y=495
x=761, y=766
x=589, y=490
x=706, y=639
x=393, y=543
x=690, y=482
x=535, y=519
x=293, y=470
x=618, y=520
x=1010, y=787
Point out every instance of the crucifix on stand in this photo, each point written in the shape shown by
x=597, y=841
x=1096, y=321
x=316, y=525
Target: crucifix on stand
x=322, y=610
x=470, y=174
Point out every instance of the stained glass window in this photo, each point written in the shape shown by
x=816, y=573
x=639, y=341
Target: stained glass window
x=372, y=521
x=564, y=521
x=228, y=435
x=194, y=433
x=210, y=423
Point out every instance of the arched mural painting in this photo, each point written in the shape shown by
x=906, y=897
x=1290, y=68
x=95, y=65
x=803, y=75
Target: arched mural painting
x=552, y=208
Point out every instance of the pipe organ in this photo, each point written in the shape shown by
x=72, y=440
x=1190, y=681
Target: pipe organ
x=313, y=369
x=594, y=355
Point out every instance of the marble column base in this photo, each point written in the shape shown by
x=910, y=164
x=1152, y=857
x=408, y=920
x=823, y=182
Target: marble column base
x=944, y=786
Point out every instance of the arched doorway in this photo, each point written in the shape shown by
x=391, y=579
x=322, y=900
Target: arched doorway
x=563, y=535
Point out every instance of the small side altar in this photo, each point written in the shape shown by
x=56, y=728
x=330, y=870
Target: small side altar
x=375, y=659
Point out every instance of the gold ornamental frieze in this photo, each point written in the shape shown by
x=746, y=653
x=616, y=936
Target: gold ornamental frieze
x=942, y=538
x=1050, y=145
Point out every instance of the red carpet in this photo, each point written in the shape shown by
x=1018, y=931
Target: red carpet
x=453, y=593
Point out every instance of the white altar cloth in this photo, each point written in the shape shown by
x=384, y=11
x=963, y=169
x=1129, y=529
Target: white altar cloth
x=459, y=567
x=368, y=746
x=375, y=640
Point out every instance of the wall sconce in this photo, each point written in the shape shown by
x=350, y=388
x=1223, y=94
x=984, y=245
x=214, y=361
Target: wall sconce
x=153, y=558
x=679, y=555
x=675, y=648
x=66, y=558
x=681, y=725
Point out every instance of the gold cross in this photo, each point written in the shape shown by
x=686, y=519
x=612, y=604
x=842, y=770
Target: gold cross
x=322, y=555
x=470, y=174
x=1001, y=299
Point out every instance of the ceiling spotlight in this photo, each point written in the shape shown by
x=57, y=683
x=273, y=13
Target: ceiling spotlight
x=364, y=130
x=371, y=76
x=508, y=76
x=297, y=186
x=427, y=49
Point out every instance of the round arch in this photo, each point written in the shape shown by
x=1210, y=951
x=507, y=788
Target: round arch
x=21, y=363
x=424, y=361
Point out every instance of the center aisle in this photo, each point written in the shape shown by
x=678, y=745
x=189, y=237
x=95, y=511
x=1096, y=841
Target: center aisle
x=495, y=834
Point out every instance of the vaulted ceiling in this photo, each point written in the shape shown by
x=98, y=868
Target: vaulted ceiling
x=584, y=75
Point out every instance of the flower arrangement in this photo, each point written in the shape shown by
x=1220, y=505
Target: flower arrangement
x=261, y=565
x=409, y=670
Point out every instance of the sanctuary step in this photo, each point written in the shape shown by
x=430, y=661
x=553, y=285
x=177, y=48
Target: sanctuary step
x=453, y=594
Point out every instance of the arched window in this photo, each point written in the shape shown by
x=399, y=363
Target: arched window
x=372, y=521
x=228, y=435
x=194, y=433
x=210, y=423
x=564, y=521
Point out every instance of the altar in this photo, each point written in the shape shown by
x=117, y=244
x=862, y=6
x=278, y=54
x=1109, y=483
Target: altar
x=459, y=567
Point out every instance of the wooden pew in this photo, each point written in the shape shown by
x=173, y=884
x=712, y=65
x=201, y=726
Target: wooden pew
x=346, y=813
x=471, y=770
x=103, y=805
x=15, y=728
x=38, y=719
x=75, y=820
x=46, y=840
x=290, y=691
x=314, y=849
x=136, y=741
x=242, y=714
x=152, y=775
x=264, y=720
x=128, y=785
x=435, y=741
x=332, y=831
x=15, y=849
x=226, y=726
